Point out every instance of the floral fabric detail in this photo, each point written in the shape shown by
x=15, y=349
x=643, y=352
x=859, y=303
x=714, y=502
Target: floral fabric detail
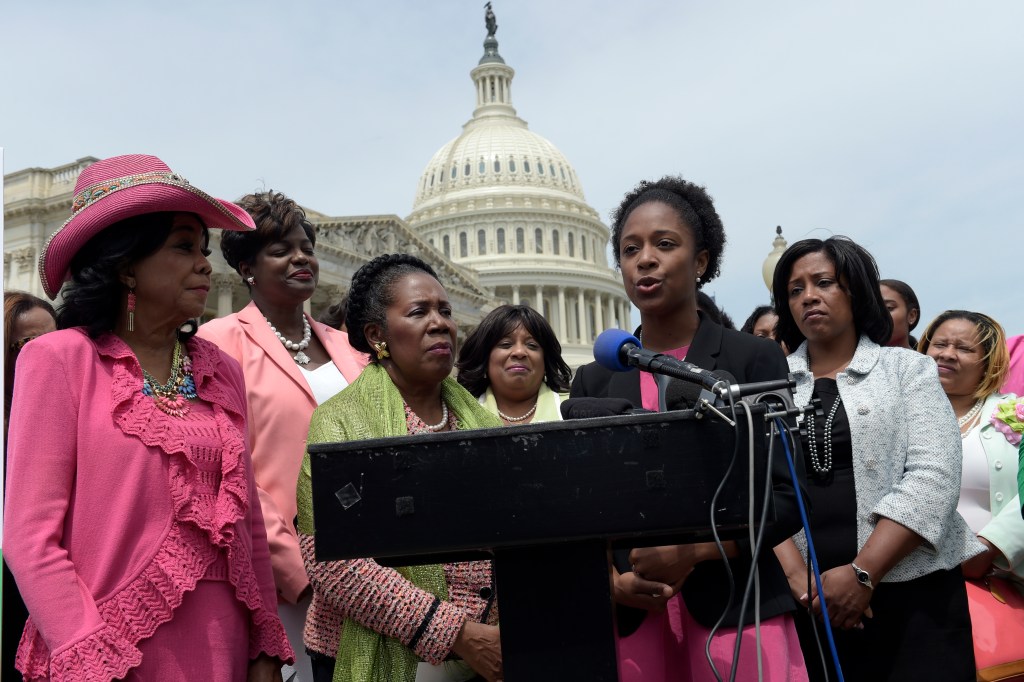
x=90, y=195
x=1008, y=418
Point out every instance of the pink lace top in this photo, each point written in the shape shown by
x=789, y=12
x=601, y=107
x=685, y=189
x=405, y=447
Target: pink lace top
x=115, y=509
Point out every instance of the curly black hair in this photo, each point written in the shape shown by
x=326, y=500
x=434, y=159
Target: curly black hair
x=695, y=208
x=475, y=353
x=372, y=291
x=93, y=297
x=857, y=274
x=275, y=215
x=759, y=312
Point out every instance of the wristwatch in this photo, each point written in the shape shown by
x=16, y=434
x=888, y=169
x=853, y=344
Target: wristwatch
x=863, y=577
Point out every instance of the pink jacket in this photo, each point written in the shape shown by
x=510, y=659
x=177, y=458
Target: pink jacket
x=280, y=405
x=103, y=531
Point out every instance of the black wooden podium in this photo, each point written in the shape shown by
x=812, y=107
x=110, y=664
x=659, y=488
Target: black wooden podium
x=547, y=502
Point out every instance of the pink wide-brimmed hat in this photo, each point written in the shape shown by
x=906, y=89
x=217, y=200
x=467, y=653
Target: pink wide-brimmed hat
x=123, y=187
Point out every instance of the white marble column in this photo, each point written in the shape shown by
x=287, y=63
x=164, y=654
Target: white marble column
x=598, y=313
x=538, y=303
x=515, y=294
x=581, y=317
x=562, y=336
x=224, y=285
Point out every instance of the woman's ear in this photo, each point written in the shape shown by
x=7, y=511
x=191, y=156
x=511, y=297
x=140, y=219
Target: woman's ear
x=912, y=317
x=373, y=333
x=245, y=270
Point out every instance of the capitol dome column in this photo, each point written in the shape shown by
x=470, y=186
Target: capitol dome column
x=562, y=336
x=581, y=316
x=598, y=313
x=515, y=294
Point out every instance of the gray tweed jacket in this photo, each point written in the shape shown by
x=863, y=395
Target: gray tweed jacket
x=907, y=453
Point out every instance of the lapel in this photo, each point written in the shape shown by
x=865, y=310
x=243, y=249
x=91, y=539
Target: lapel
x=706, y=345
x=258, y=331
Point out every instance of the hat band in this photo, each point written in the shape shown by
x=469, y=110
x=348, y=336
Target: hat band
x=91, y=195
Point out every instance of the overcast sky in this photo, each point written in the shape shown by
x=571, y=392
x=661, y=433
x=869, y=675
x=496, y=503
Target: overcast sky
x=900, y=124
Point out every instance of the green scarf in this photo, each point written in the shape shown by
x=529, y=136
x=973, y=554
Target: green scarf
x=371, y=407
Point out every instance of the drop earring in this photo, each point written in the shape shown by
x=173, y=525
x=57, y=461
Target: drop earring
x=131, y=308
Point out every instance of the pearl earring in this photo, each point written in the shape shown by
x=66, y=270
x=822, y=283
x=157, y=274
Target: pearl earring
x=251, y=280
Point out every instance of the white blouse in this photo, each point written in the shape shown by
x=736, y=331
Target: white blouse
x=325, y=381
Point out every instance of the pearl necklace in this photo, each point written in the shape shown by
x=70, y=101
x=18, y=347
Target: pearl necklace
x=518, y=419
x=969, y=417
x=441, y=424
x=816, y=464
x=307, y=334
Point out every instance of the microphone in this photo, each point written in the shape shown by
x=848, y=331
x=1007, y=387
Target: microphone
x=682, y=395
x=727, y=388
x=620, y=351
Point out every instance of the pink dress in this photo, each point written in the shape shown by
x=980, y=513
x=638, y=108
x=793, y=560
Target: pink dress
x=669, y=645
x=135, y=537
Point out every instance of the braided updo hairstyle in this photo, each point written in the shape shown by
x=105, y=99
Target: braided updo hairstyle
x=695, y=209
x=372, y=291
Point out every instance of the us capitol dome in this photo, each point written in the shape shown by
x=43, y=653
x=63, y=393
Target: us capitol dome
x=505, y=202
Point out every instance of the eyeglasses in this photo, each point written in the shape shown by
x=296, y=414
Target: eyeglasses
x=20, y=343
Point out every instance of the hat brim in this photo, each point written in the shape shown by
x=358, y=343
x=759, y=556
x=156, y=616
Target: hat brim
x=151, y=197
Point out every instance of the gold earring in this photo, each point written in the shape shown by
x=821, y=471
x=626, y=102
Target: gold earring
x=382, y=350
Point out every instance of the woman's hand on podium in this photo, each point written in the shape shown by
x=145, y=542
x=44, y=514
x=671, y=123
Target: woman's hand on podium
x=479, y=645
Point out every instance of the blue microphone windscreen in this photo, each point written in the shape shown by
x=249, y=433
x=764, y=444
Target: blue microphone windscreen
x=608, y=347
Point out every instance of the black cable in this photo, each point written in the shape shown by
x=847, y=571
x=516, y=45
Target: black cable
x=755, y=554
x=718, y=543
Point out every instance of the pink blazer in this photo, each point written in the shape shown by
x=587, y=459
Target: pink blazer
x=280, y=405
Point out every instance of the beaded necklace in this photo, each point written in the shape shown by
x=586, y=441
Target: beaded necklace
x=518, y=419
x=819, y=466
x=172, y=398
x=307, y=335
x=968, y=418
x=411, y=416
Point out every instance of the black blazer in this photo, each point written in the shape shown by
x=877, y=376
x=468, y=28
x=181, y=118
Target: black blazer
x=747, y=358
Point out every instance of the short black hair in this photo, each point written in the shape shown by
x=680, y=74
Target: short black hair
x=372, y=291
x=93, y=297
x=695, y=209
x=475, y=353
x=274, y=215
x=759, y=312
x=907, y=294
x=857, y=274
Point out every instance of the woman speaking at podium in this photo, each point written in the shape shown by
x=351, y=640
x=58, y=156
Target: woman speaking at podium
x=668, y=240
